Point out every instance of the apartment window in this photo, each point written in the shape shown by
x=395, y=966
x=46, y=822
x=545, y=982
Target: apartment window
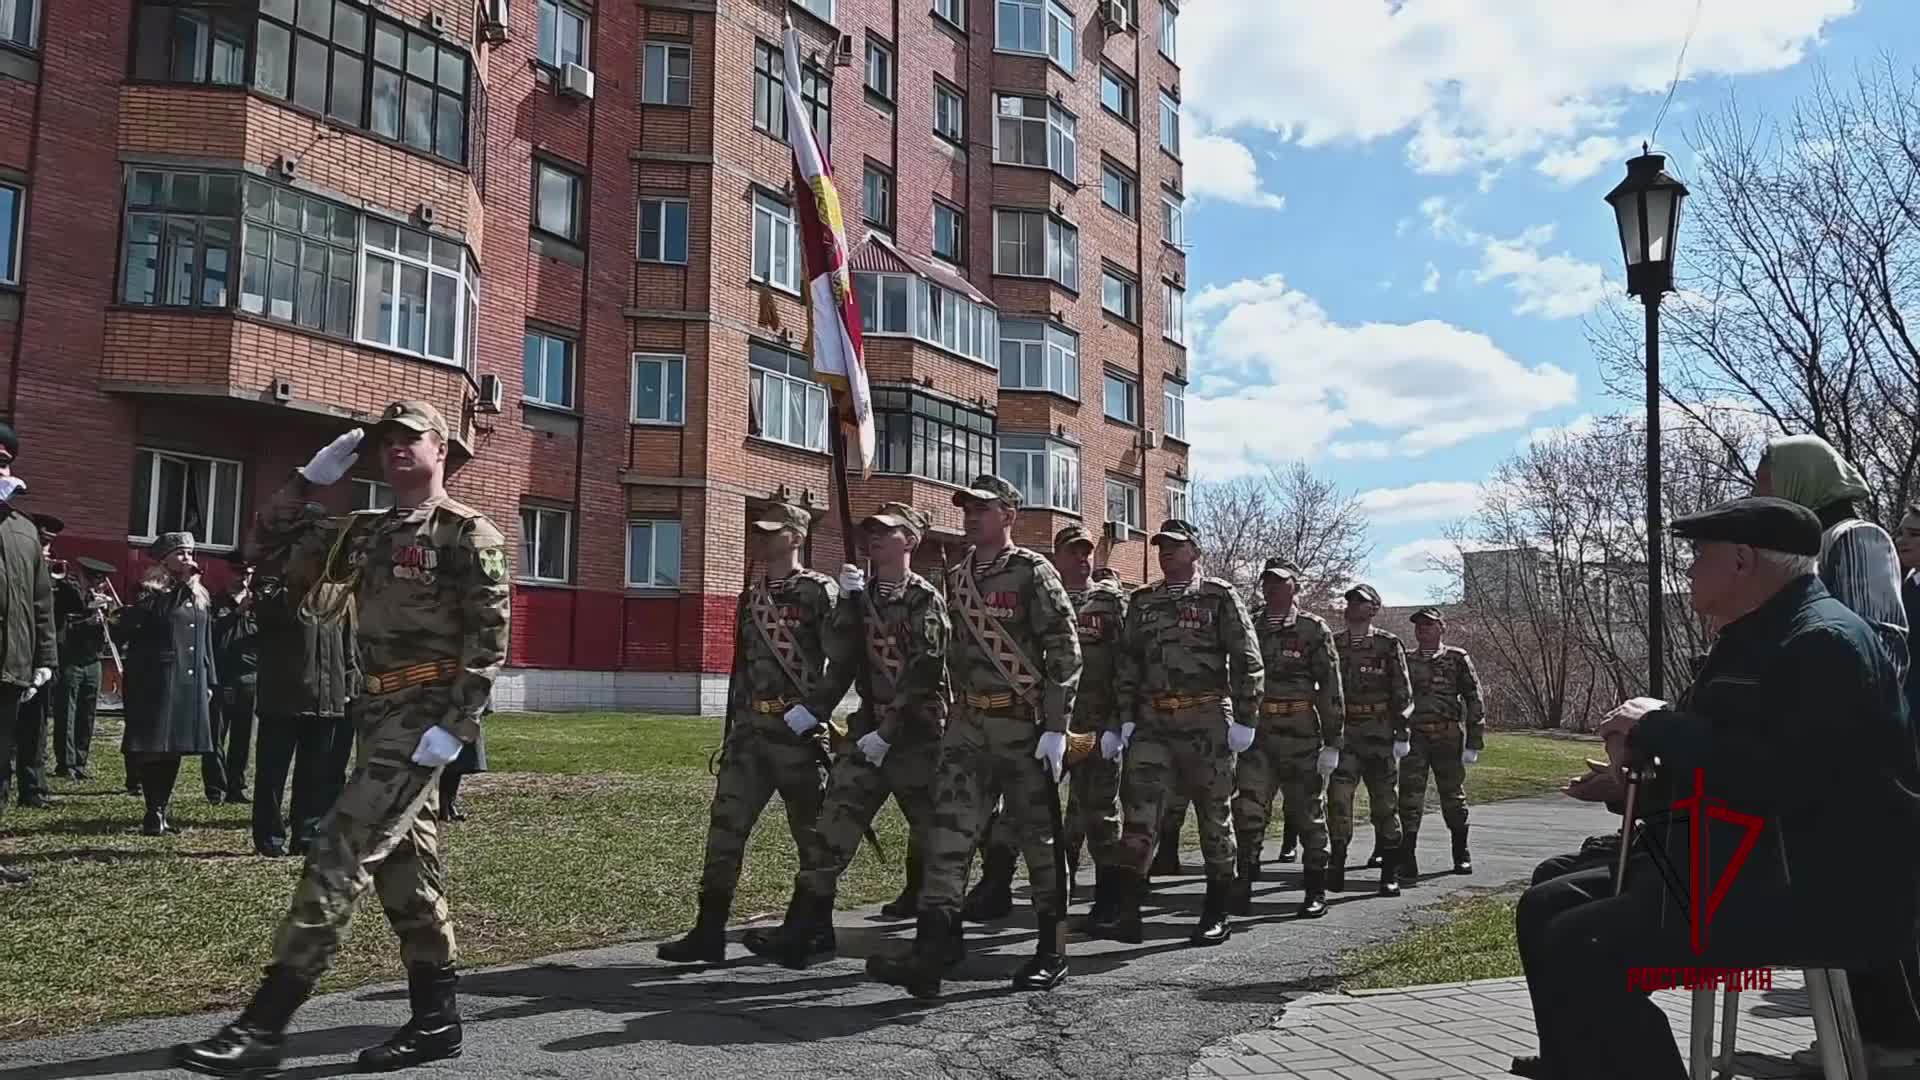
x=564, y=32
x=547, y=365
x=1169, y=124
x=1179, y=505
x=179, y=239
x=901, y=305
x=1173, y=223
x=776, y=244
x=1120, y=295
x=182, y=41
x=663, y=230
x=1173, y=303
x=1169, y=15
x=1035, y=131
x=298, y=261
x=11, y=200
x=417, y=293
x=19, y=22
x=1039, y=355
x=949, y=233
x=880, y=69
x=1174, y=414
x=1046, y=471
x=545, y=537
x=1122, y=399
x=1039, y=27
x=821, y=8
x=669, y=74
x=1033, y=243
x=659, y=388
x=949, y=113
x=770, y=90
x=365, y=70
x=1119, y=188
x=372, y=495
x=556, y=200
x=185, y=493
x=1123, y=502
x=918, y=434
x=653, y=554
x=1117, y=94
x=785, y=405
x=954, y=11
x=876, y=198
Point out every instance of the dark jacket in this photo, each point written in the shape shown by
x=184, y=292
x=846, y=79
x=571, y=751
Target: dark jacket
x=1910, y=596
x=1798, y=717
x=26, y=601
x=82, y=637
x=236, y=642
x=306, y=668
x=170, y=674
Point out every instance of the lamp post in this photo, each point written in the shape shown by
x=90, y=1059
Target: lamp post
x=1646, y=207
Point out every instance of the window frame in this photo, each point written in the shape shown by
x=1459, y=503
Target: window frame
x=653, y=527
x=1179, y=498
x=1169, y=31
x=571, y=358
x=833, y=10
x=1056, y=27
x=533, y=543
x=214, y=14
x=1129, y=95
x=576, y=225
x=1134, y=504
x=929, y=313
x=956, y=17
x=760, y=357
x=32, y=42
x=663, y=248
x=374, y=490
x=1058, y=264
x=1055, y=454
x=580, y=15
x=13, y=224
x=1130, y=284
x=154, y=456
x=673, y=389
x=304, y=240
x=1173, y=219
x=466, y=293
x=1131, y=387
x=165, y=238
x=667, y=51
x=1054, y=341
x=1059, y=130
x=770, y=94
x=1131, y=190
x=885, y=175
x=1169, y=105
x=1173, y=313
x=957, y=234
x=890, y=66
x=1173, y=411
x=941, y=440
x=776, y=212
x=945, y=90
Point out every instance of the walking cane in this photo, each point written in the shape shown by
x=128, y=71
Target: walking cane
x=1630, y=806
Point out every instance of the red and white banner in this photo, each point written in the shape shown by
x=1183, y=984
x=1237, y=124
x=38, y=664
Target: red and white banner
x=837, y=357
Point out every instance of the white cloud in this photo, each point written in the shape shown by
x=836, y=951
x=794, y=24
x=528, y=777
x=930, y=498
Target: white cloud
x=1405, y=574
x=1364, y=450
x=1221, y=168
x=1280, y=379
x=1429, y=500
x=1431, y=283
x=1575, y=162
x=1552, y=286
x=1470, y=84
x=1575, y=427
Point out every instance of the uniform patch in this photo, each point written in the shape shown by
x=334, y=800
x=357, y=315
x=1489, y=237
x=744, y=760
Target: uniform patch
x=1001, y=605
x=415, y=562
x=493, y=563
x=1092, y=626
x=1195, y=617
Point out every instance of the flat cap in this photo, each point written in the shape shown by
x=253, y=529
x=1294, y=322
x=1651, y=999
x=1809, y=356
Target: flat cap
x=168, y=543
x=1280, y=568
x=1073, y=534
x=1426, y=615
x=898, y=515
x=988, y=488
x=1364, y=592
x=1176, y=531
x=97, y=567
x=779, y=515
x=1760, y=521
x=414, y=416
x=48, y=524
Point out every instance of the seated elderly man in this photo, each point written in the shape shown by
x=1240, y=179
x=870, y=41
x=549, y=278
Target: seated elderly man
x=1796, y=717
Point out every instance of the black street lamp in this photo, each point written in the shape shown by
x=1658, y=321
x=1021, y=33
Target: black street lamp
x=1646, y=206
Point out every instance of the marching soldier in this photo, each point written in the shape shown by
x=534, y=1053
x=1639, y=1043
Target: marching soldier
x=1373, y=672
x=1301, y=722
x=775, y=741
x=428, y=580
x=895, y=629
x=1015, y=662
x=1190, y=669
x=1449, y=728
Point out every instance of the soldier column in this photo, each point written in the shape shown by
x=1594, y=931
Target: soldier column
x=1373, y=672
x=1449, y=728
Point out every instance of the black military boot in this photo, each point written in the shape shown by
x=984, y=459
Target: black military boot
x=1166, y=857
x=255, y=1044
x=706, y=943
x=1389, y=872
x=907, y=904
x=1102, y=909
x=1409, y=861
x=1373, y=860
x=1289, y=843
x=433, y=1034
x=1048, y=968
x=1462, y=862
x=1314, y=904
x=991, y=898
x=1337, y=869
x=804, y=936
x=919, y=969
x=1240, y=890
x=1213, y=928
x=1122, y=920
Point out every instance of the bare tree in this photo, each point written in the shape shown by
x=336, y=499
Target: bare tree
x=1290, y=511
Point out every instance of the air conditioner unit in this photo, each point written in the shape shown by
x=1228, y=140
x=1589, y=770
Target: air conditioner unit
x=1113, y=13
x=576, y=82
x=491, y=395
x=424, y=213
x=494, y=21
x=1149, y=438
x=1117, y=531
x=282, y=389
x=287, y=165
x=843, y=57
x=437, y=23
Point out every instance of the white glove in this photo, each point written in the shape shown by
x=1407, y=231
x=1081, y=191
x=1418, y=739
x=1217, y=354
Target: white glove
x=874, y=747
x=334, y=459
x=1329, y=760
x=1401, y=748
x=1112, y=745
x=41, y=676
x=1052, y=750
x=851, y=579
x=1239, y=737
x=1469, y=757
x=11, y=486
x=800, y=721
x=1126, y=733
x=438, y=747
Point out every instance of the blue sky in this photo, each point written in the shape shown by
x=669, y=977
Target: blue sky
x=1397, y=223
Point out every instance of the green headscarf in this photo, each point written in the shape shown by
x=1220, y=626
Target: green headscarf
x=1809, y=471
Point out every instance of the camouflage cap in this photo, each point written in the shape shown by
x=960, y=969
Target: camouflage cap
x=898, y=515
x=168, y=543
x=1176, y=531
x=1073, y=534
x=988, y=488
x=778, y=515
x=1280, y=568
x=414, y=416
x=1427, y=615
x=1364, y=592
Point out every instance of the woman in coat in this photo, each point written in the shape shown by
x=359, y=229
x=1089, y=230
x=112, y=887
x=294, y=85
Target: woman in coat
x=168, y=631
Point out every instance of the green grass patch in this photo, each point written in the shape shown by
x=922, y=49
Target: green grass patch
x=1459, y=940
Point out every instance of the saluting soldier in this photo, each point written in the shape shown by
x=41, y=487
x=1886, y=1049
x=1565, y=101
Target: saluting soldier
x=428, y=581
x=1015, y=662
x=1373, y=673
x=894, y=630
x=1302, y=718
x=1190, y=670
x=774, y=740
x=1449, y=727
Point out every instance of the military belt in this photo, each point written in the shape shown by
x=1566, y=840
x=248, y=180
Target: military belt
x=1284, y=707
x=991, y=702
x=427, y=674
x=1175, y=702
x=1366, y=710
x=769, y=706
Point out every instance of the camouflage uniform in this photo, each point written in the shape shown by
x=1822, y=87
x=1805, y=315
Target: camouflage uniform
x=1373, y=672
x=1302, y=712
x=1447, y=718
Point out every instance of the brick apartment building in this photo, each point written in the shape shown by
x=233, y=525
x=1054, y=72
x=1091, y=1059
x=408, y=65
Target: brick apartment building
x=230, y=228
